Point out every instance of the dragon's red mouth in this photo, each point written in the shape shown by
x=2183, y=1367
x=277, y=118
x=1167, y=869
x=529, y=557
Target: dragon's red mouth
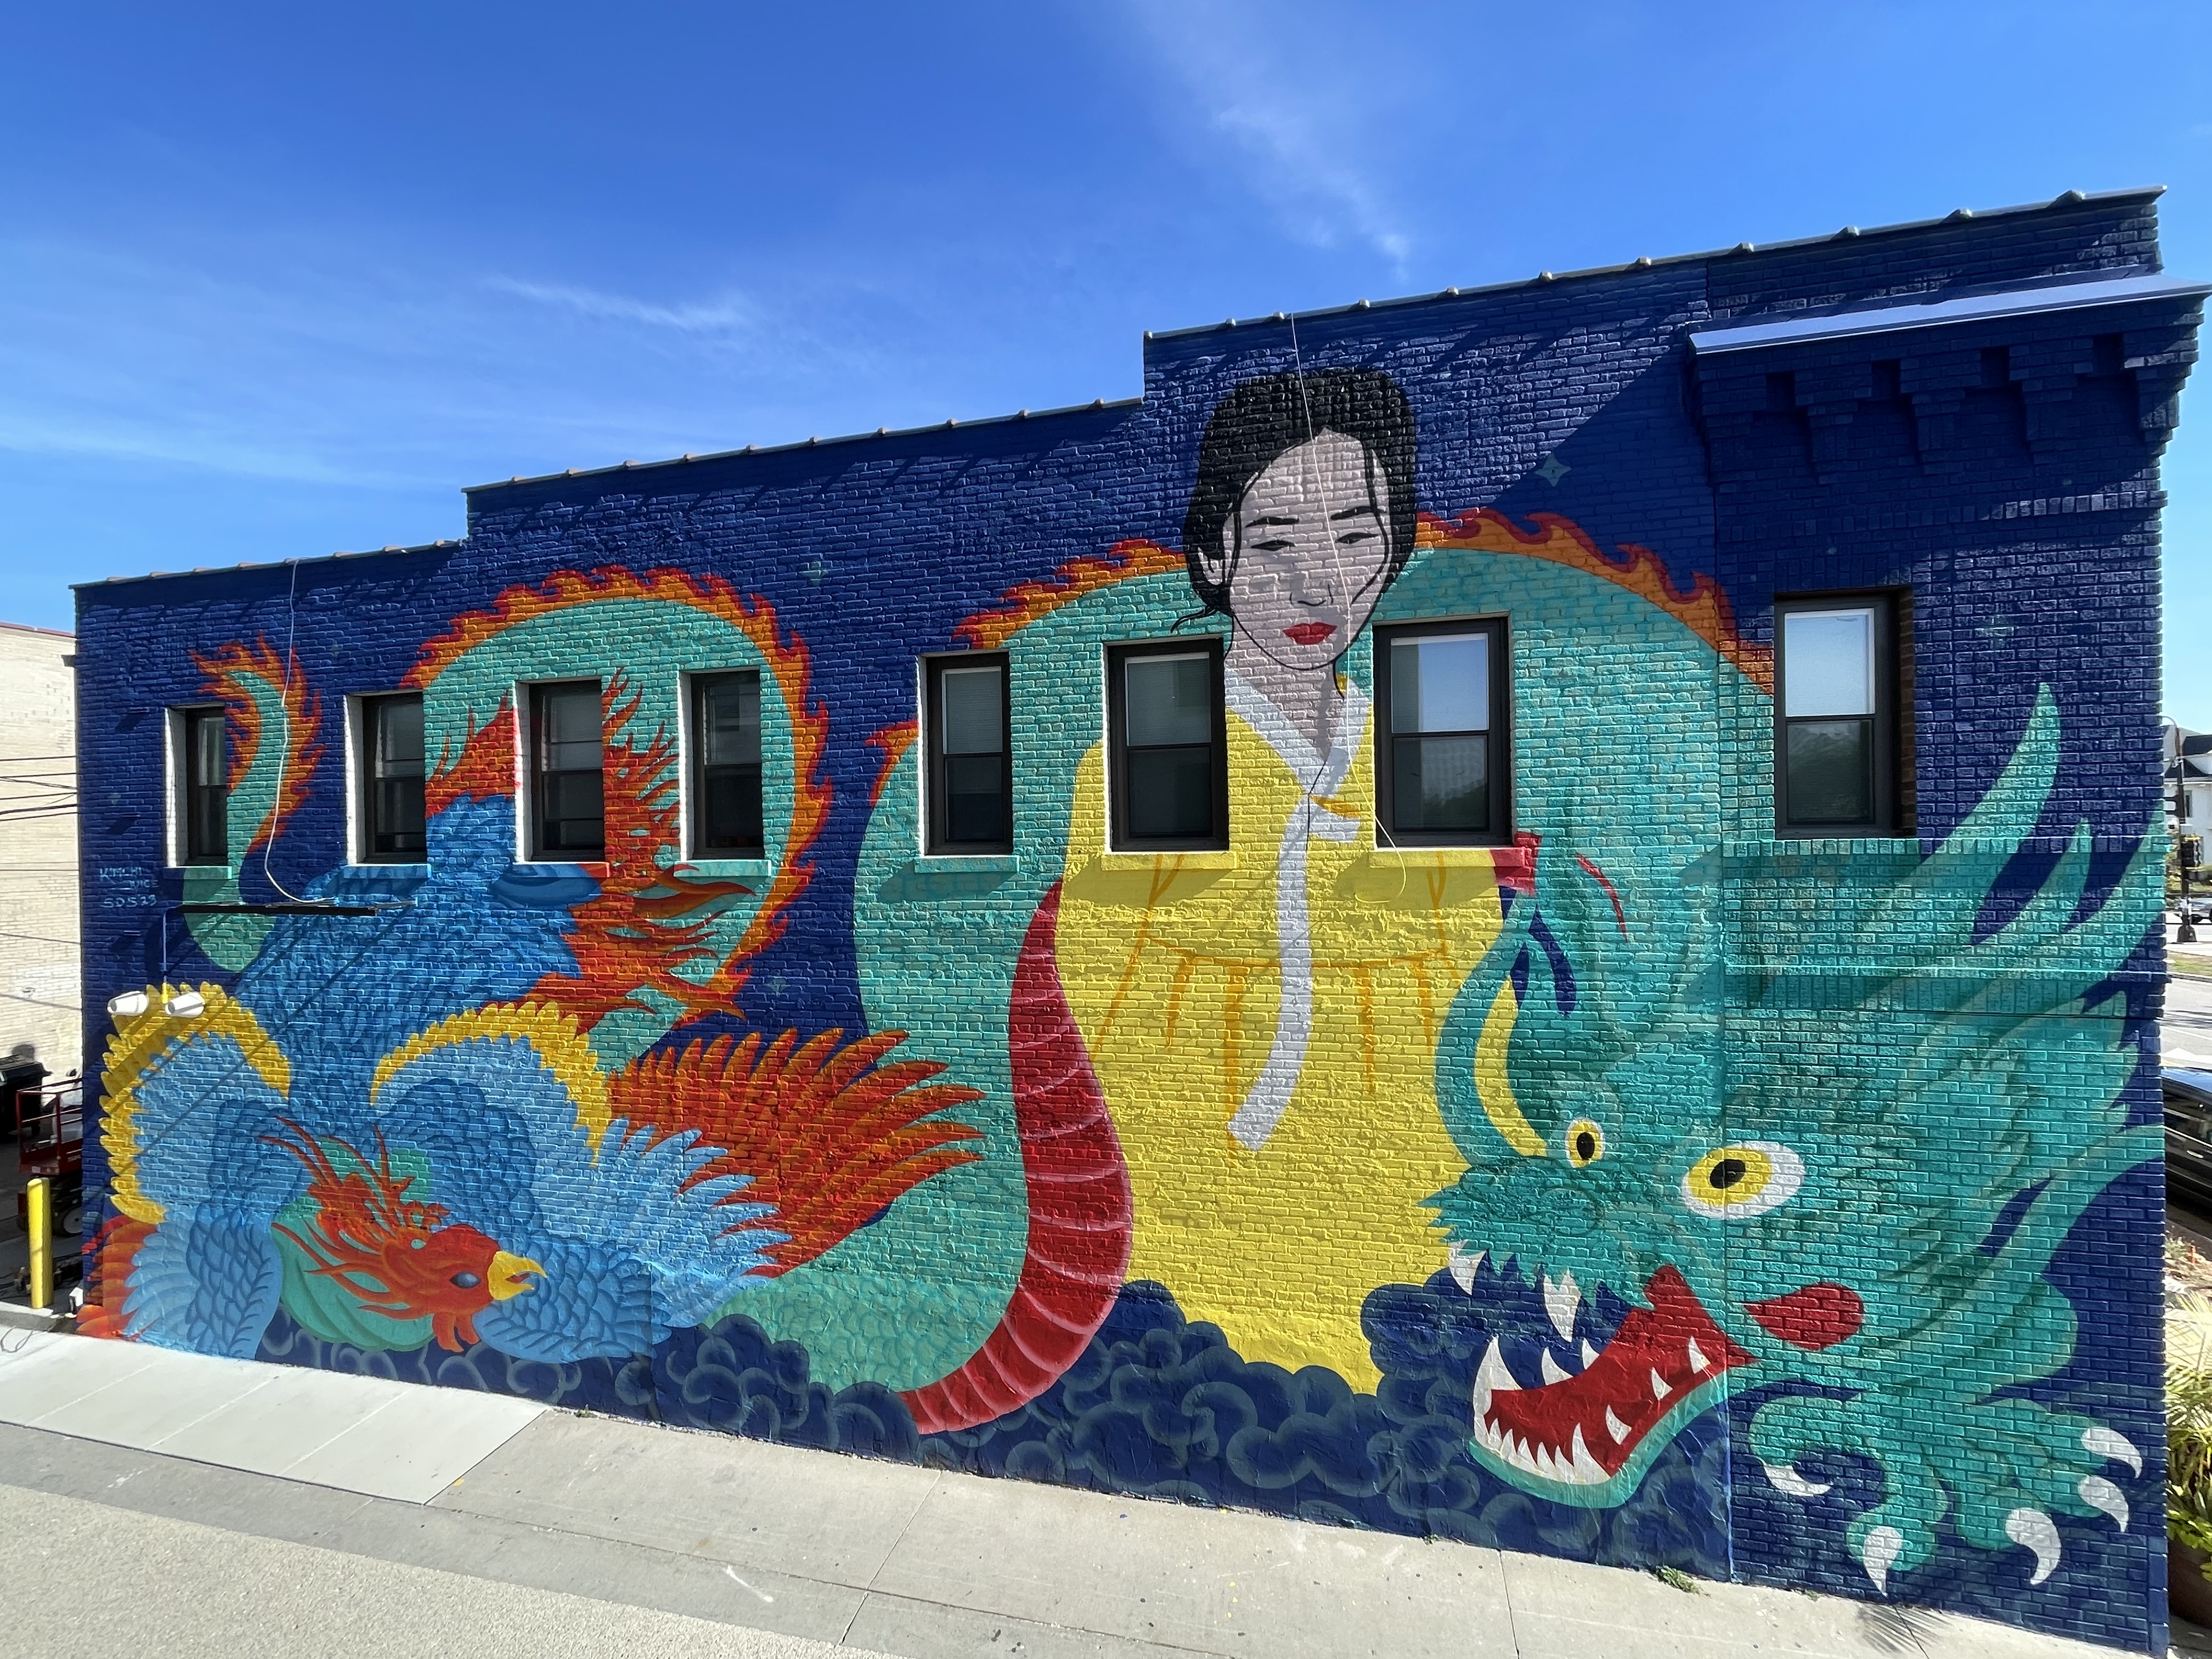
x=1582, y=1430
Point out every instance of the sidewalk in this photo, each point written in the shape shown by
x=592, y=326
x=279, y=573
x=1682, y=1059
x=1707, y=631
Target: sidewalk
x=186, y=1505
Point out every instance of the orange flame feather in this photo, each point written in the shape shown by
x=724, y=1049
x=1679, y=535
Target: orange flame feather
x=829, y=1135
x=228, y=670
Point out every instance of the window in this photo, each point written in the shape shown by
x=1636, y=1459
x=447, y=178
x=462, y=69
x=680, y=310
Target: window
x=1836, y=770
x=1170, y=746
x=726, y=766
x=203, y=787
x=971, y=746
x=390, y=804
x=1442, y=692
x=568, y=792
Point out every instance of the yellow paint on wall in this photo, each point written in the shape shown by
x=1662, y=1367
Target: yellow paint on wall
x=1172, y=968
x=139, y=1045
x=559, y=1044
x=1492, y=1087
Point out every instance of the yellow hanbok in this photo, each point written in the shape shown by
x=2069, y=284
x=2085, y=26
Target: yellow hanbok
x=1264, y=1024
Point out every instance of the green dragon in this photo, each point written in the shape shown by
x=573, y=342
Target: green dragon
x=1811, y=1130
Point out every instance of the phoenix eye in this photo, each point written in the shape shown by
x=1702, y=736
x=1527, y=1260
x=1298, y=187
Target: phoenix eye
x=465, y=1281
x=1732, y=1183
x=1585, y=1142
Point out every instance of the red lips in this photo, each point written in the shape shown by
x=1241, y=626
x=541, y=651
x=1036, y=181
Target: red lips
x=1309, y=633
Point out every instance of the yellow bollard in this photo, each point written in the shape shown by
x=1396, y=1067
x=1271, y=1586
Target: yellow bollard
x=40, y=1207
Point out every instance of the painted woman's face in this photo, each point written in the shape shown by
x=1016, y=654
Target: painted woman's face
x=1313, y=542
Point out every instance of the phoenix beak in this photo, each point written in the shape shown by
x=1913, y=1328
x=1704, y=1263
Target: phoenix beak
x=511, y=1275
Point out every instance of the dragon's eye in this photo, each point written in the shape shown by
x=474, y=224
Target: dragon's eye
x=417, y=1243
x=465, y=1281
x=1585, y=1142
x=1747, y=1179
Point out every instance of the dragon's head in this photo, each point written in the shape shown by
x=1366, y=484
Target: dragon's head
x=1583, y=1091
x=398, y=1256
x=1804, y=1172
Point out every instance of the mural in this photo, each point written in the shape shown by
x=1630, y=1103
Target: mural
x=1621, y=1191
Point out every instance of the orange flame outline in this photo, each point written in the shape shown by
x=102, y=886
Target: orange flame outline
x=1704, y=609
x=615, y=955
x=894, y=741
x=1028, y=602
x=483, y=770
x=228, y=670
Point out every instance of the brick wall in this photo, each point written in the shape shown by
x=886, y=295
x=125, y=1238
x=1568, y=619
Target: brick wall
x=1641, y=1186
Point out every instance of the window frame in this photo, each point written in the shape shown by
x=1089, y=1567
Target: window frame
x=937, y=841
x=181, y=721
x=695, y=687
x=1499, y=629
x=535, y=849
x=361, y=730
x=1890, y=789
x=1118, y=655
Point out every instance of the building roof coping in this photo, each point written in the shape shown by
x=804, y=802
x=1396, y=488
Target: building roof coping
x=443, y=544
x=33, y=628
x=1025, y=415
x=2018, y=301
x=2068, y=199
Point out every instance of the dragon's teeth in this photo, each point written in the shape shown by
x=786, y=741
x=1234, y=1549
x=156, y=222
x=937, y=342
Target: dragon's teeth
x=1586, y=1469
x=1659, y=1388
x=1697, y=1360
x=1490, y=1376
x=1615, y=1427
x=1561, y=1299
x=1589, y=1354
x=1462, y=1264
x=1493, y=1367
x=1550, y=1367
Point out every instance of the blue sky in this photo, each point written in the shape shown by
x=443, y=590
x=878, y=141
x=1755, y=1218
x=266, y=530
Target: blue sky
x=280, y=280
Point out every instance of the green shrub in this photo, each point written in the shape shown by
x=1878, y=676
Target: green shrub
x=2189, y=1423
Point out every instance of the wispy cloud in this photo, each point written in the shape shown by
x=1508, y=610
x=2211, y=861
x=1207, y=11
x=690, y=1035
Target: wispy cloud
x=727, y=313
x=1300, y=127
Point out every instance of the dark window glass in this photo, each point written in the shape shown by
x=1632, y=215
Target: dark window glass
x=726, y=732
x=971, y=774
x=206, y=804
x=567, y=754
x=391, y=779
x=1836, y=712
x=1170, y=744
x=1442, y=691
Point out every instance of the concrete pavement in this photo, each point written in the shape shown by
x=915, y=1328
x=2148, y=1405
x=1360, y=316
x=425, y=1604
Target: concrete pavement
x=92, y=1578
x=562, y=1533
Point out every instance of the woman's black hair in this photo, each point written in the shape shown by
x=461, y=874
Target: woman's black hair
x=1260, y=420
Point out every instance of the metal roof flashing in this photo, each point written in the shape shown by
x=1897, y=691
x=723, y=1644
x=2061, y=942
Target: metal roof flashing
x=1094, y=406
x=2071, y=198
x=2020, y=301
x=446, y=545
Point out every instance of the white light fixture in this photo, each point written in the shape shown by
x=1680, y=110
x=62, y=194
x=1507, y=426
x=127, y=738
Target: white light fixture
x=186, y=1004
x=129, y=1005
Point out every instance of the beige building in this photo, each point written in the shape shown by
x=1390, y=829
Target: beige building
x=39, y=1003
